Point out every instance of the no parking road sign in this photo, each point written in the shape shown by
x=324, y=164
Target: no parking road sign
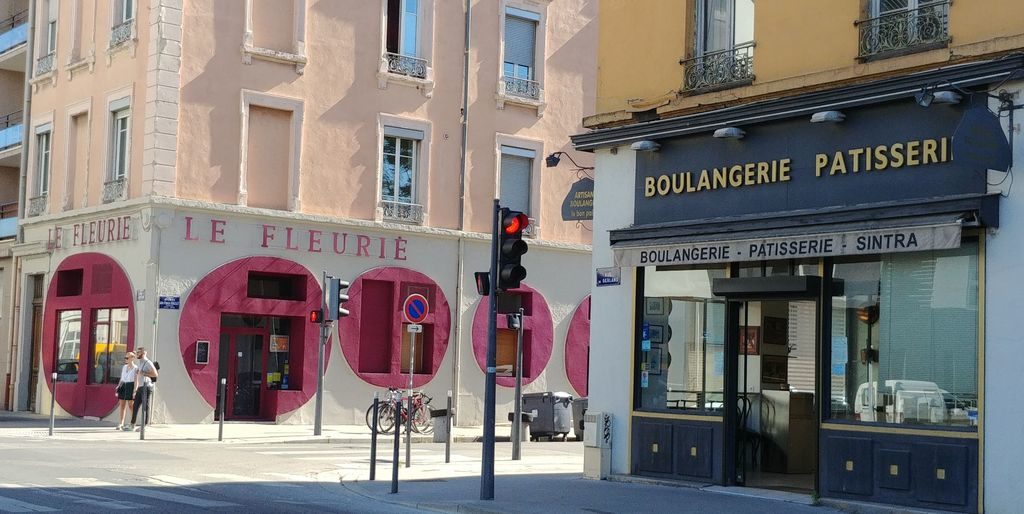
x=415, y=308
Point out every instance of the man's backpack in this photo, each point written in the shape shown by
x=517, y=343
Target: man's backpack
x=157, y=366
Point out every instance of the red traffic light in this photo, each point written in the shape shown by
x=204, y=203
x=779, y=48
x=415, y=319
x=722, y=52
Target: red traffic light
x=316, y=316
x=516, y=222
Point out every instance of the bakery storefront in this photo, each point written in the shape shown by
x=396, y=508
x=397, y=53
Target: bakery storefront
x=807, y=302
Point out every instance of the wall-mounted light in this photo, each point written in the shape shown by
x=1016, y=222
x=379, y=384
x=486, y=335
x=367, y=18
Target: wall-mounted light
x=730, y=133
x=552, y=160
x=827, y=117
x=928, y=96
x=645, y=145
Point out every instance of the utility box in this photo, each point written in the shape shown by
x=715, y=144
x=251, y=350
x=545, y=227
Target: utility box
x=597, y=445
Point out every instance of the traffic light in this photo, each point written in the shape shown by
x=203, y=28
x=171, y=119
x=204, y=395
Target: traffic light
x=316, y=316
x=511, y=248
x=336, y=297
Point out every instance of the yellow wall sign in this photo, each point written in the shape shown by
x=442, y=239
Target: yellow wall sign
x=852, y=161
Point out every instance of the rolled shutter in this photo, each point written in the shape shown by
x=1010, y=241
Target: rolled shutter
x=520, y=40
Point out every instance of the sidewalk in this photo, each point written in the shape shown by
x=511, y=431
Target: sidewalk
x=20, y=424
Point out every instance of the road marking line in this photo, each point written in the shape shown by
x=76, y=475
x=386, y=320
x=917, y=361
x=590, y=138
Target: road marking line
x=12, y=505
x=239, y=478
x=157, y=495
x=92, y=499
x=315, y=452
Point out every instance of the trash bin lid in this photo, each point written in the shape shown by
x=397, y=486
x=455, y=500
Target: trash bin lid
x=561, y=394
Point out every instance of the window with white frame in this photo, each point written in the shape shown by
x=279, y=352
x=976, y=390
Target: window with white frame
x=43, y=161
x=124, y=11
x=52, y=8
x=403, y=27
x=519, y=69
x=119, y=143
x=724, y=49
x=45, y=62
x=400, y=156
x=516, y=178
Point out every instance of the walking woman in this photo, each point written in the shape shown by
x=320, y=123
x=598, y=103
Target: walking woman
x=126, y=388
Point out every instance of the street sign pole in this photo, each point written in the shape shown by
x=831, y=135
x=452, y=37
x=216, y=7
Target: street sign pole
x=318, y=416
x=490, y=380
x=517, y=425
x=53, y=400
x=408, y=418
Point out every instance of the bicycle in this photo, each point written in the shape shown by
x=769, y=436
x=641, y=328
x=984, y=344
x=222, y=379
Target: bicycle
x=386, y=412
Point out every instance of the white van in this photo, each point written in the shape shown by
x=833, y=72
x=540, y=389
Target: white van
x=901, y=401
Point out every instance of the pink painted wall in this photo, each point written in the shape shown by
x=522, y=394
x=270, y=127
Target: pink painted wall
x=80, y=398
x=537, y=323
x=266, y=164
x=127, y=69
x=371, y=335
x=341, y=100
x=577, y=348
x=225, y=290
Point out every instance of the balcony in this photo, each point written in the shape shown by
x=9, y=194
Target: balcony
x=402, y=212
x=37, y=206
x=114, y=190
x=121, y=33
x=13, y=36
x=8, y=220
x=10, y=132
x=406, y=65
x=904, y=31
x=44, y=64
x=522, y=88
x=720, y=69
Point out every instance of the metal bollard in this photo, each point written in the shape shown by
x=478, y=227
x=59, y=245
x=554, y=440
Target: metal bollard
x=223, y=394
x=145, y=413
x=53, y=400
x=373, y=439
x=398, y=443
x=408, y=430
x=448, y=439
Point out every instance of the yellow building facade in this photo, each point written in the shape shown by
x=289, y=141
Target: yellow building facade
x=783, y=189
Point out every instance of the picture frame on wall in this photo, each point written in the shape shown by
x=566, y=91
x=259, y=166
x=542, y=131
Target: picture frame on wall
x=751, y=342
x=657, y=333
x=654, y=306
x=653, y=364
x=776, y=330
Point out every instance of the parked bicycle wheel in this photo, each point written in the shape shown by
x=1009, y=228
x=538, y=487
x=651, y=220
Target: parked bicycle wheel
x=421, y=421
x=369, y=417
x=386, y=418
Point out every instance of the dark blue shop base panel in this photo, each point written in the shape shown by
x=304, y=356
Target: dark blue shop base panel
x=676, y=449
x=916, y=471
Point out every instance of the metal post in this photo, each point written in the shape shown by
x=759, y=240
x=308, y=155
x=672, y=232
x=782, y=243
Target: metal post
x=448, y=438
x=318, y=416
x=408, y=417
x=517, y=425
x=53, y=400
x=145, y=413
x=490, y=383
x=398, y=443
x=373, y=438
x=223, y=395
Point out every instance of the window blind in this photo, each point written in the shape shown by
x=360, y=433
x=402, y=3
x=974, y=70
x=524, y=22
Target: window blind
x=520, y=40
x=515, y=182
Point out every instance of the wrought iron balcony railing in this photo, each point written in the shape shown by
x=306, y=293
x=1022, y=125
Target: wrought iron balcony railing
x=36, y=206
x=905, y=29
x=406, y=65
x=720, y=68
x=44, y=64
x=521, y=87
x=403, y=212
x=121, y=33
x=114, y=190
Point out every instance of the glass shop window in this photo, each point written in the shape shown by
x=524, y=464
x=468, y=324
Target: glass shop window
x=69, y=339
x=905, y=338
x=279, y=365
x=681, y=345
x=108, y=346
x=276, y=287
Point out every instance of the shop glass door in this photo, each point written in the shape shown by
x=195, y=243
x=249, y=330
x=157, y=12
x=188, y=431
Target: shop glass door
x=776, y=378
x=244, y=374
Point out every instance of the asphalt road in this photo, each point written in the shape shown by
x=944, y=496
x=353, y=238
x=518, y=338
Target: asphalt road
x=121, y=474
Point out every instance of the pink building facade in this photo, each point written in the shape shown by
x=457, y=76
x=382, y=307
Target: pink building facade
x=195, y=167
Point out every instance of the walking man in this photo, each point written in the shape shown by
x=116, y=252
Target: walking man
x=144, y=385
